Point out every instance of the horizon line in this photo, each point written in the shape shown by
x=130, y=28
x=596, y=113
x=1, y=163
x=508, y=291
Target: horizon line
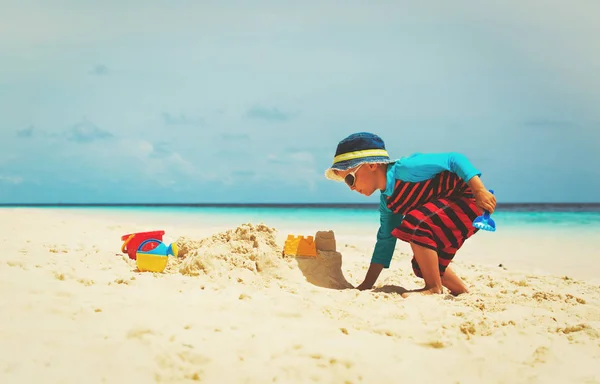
x=275, y=205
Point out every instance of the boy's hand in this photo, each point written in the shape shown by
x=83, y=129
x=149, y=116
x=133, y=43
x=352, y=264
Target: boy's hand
x=363, y=287
x=485, y=200
x=371, y=277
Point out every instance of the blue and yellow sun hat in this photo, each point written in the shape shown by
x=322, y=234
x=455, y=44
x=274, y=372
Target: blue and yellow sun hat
x=356, y=149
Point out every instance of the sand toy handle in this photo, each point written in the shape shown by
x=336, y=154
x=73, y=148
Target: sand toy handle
x=141, y=247
x=124, y=246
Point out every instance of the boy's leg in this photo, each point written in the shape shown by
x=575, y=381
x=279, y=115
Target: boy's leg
x=449, y=279
x=454, y=283
x=429, y=267
x=442, y=225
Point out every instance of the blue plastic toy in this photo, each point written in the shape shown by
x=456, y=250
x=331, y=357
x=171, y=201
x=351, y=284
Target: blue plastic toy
x=155, y=260
x=485, y=222
x=160, y=250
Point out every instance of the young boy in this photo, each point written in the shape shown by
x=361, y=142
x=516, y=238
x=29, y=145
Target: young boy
x=427, y=200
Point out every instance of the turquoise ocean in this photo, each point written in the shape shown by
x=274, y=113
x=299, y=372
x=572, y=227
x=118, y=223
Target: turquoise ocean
x=558, y=216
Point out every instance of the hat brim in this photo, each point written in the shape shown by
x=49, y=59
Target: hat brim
x=353, y=163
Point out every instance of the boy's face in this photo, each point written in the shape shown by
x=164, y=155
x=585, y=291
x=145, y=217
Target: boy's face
x=362, y=179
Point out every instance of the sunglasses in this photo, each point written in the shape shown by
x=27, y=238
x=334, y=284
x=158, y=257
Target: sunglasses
x=350, y=178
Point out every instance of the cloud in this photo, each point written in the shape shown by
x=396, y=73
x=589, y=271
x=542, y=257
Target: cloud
x=26, y=132
x=301, y=165
x=11, y=179
x=100, y=70
x=268, y=168
x=86, y=132
x=181, y=120
x=82, y=132
x=159, y=157
x=133, y=163
x=269, y=114
x=161, y=149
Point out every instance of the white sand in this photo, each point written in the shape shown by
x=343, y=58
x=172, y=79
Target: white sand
x=74, y=310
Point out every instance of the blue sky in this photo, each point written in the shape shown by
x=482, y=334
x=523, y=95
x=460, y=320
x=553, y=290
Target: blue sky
x=231, y=101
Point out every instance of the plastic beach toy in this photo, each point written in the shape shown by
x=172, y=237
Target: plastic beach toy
x=132, y=241
x=155, y=259
x=300, y=246
x=485, y=222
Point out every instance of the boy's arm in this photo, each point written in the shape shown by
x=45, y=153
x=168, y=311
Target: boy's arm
x=420, y=167
x=384, y=247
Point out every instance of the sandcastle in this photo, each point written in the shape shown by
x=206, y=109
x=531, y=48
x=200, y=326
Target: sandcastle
x=300, y=246
x=324, y=269
x=325, y=241
x=307, y=246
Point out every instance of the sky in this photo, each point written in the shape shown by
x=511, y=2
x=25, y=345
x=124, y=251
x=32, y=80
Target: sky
x=245, y=101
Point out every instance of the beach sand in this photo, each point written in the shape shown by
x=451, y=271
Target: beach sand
x=233, y=309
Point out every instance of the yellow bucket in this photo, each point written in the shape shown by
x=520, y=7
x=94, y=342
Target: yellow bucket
x=147, y=262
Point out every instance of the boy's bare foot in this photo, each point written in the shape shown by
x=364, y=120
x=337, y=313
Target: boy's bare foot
x=423, y=291
x=454, y=283
x=429, y=265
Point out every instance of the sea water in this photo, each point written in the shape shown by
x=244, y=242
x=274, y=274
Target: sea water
x=562, y=217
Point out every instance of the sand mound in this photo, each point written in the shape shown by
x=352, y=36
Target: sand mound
x=248, y=249
x=251, y=251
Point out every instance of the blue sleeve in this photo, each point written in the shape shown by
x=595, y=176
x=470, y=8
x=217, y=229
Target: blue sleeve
x=386, y=242
x=420, y=167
